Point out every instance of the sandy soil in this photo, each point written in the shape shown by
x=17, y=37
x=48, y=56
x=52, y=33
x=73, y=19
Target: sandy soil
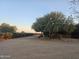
x=33, y=48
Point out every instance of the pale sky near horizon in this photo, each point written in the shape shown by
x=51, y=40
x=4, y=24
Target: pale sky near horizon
x=23, y=13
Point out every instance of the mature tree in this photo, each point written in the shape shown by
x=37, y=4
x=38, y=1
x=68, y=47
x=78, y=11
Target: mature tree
x=53, y=23
x=7, y=28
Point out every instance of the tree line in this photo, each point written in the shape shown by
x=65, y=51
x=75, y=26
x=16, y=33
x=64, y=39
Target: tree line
x=9, y=32
x=56, y=24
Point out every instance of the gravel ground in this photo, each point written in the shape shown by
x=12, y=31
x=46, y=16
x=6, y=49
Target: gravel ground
x=32, y=48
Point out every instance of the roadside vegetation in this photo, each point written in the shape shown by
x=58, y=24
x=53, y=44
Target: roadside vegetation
x=56, y=25
x=9, y=32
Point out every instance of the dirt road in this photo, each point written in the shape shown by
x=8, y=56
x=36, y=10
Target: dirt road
x=32, y=48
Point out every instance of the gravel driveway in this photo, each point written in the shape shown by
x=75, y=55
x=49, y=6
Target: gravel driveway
x=32, y=48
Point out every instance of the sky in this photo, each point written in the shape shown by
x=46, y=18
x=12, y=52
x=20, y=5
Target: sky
x=23, y=13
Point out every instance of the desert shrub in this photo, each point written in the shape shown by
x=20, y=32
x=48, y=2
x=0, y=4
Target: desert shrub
x=4, y=28
x=6, y=36
x=9, y=35
x=17, y=35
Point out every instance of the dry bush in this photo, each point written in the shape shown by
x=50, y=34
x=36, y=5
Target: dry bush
x=18, y=35
x=6, y=36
